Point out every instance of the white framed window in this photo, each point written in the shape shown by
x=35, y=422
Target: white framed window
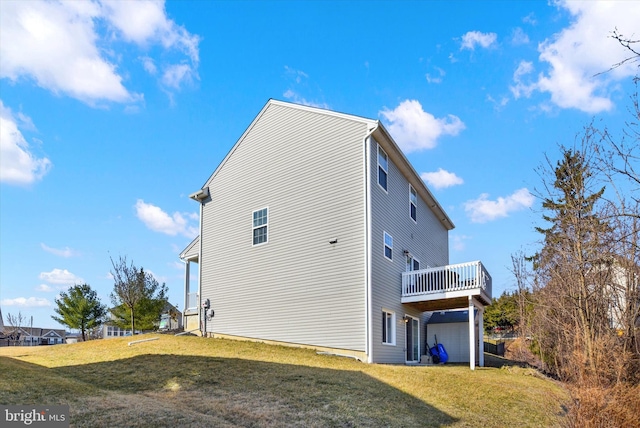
x=413, y=204
x=260, y=226
x=388, y=327
x=383, y=168
x=388, y=246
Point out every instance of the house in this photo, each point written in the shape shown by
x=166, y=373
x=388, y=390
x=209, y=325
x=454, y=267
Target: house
x=316, y=231
x=170, y=319
x=33, y=336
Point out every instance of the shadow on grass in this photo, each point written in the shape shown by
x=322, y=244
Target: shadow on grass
x=174, y=390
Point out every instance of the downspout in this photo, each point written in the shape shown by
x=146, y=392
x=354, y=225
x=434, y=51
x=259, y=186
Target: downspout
x=367, y=239
x=200, y=196
x=200, y=272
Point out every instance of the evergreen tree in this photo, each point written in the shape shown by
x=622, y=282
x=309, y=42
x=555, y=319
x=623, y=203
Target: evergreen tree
x=571, y=269
x=80, y=308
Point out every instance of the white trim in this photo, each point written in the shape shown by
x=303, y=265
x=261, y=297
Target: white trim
x=200, y=264
x=393, y=327
x=386, y=171
x=384, y=245
x=265, y=225
x=415, y=192
x=368, y=246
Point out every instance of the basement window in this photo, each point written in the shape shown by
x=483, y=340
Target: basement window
x=388, y=327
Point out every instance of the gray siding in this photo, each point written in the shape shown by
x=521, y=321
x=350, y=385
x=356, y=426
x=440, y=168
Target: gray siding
x=426, y=240
x=307, y=168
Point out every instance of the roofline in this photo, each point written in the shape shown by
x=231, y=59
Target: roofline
x=370, y=124
x=417, y=182
x=433, y=203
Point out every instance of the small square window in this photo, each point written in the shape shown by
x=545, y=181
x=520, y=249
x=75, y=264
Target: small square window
x=388, y=246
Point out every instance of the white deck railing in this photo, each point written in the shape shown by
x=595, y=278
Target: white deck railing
x=463, y=276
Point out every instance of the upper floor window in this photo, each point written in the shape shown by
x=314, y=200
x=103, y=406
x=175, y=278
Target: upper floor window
x=260, y=224
x=383, y=168
x=413, y=203
x=388, y=246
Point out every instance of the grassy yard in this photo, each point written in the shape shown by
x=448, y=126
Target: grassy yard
x=191, y=381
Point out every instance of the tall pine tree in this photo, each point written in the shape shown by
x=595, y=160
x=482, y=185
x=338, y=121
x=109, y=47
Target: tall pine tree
x=571, y=270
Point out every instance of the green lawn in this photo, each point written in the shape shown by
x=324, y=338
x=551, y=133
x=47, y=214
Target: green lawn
x=191, y=381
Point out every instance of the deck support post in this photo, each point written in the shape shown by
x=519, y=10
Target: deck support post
x=472, y=333
x=481, y=336
x=187, y=274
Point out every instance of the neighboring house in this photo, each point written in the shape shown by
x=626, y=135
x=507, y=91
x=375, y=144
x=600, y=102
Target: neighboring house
x=316, y=231
x=171, y=319
x=33, y=336
x=622, y=293
x=111, y=331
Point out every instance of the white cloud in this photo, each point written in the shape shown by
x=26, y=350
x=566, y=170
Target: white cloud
x=18, y=165
x=520, y=88
x=61, y=46
x=61, y=277
x=482, y=210
x=414, y=129
x=519, y=37
x=24, y=302
x=475, y=38
x=436, y=78
x=54, y=44
x=174, y=75
x=44, y=287
x=458, y=242
x=530, y=19
x=149, y=65
x=144, y=22
x=298, y=99
x=579, y=52
x=441, y=179
x=156, y=219
x=65, y=252
x=297, y=75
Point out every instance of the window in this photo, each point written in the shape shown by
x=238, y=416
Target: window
x=413, y=203
x=388, y=246
x=388, y=327
x=260, y=223
x=383, y=167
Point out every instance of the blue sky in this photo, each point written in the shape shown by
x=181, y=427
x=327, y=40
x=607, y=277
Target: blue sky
x=112, y=113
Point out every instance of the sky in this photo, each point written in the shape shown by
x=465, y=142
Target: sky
x=113, y=112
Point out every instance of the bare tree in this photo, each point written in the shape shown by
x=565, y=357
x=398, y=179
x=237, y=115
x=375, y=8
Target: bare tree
x=15, y=325
x=137, y=293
